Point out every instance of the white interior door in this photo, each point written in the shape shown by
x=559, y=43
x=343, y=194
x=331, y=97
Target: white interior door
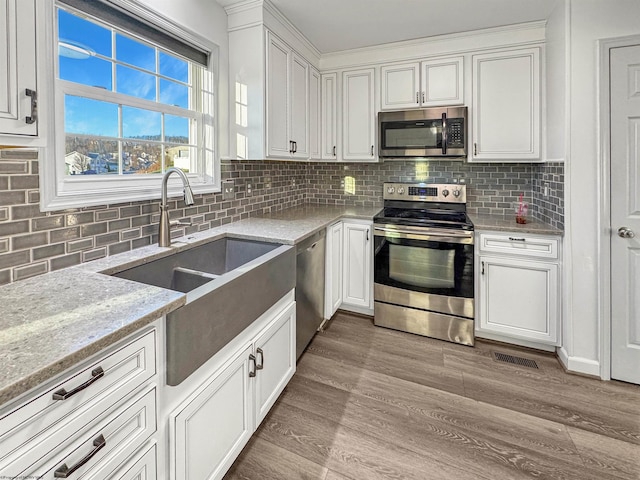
x=625, y=213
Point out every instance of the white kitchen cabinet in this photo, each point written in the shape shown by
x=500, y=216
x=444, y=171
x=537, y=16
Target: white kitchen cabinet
x=428, y=83
x=506, y=96
x=333, y=269
x=358, y=115
x=18, y=55
x=315, y=122
x=358, y=266
x=106, y=408
x=211, y=427
x=518, y=278
x=329, y=116
x=287, y=105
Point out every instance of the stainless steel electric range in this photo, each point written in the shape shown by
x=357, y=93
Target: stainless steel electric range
x=424, y=262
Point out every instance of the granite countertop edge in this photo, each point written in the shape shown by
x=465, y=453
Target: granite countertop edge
x=39, y=314
x=507, y=223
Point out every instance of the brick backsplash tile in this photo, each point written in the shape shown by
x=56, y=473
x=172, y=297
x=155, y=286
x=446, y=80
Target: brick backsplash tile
x=21, y=242
x=20, y=273
x=4, y=245
x=94, y=232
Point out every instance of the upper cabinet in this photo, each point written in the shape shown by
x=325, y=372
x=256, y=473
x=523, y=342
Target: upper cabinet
x=18, y=88
x=358, y=115
x=329, y=117
x=315, y=100
x=506, y=106
x=287, y=101
x=428, y=83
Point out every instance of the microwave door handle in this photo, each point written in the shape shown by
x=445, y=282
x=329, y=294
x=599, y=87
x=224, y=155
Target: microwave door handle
x=444, y=133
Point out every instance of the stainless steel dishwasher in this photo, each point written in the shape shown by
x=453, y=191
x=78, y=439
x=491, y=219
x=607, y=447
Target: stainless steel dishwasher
x=309, y=289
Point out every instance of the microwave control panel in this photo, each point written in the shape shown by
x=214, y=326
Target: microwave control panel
x=455, y=132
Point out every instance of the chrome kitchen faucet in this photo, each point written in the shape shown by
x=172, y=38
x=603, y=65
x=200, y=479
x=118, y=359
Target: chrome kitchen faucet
x=164, y=227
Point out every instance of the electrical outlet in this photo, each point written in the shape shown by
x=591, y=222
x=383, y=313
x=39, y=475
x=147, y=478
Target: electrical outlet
x=249, y=191
x=228, y=190
x=546, y=190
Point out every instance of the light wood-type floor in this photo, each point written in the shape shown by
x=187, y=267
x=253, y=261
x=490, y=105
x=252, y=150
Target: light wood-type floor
x=370, y=403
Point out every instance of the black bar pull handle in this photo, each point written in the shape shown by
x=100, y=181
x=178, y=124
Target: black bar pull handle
x=260, y=352
x=33, y=118
x=62, y=394
x=252, y=359
x=65, y=472
x=444, y=134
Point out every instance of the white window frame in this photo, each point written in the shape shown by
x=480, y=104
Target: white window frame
x=61, y=191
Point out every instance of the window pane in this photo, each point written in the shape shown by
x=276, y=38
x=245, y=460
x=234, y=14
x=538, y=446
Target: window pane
x=82, y=33
x=176, y=129
x=141, y=124
x=173, y=93
x=179, y=156
x=174, y=67
x=86, y=156
x=141, y=157
x=135, y=53
x=135, y=83
x=91, y=71
x=90, y=117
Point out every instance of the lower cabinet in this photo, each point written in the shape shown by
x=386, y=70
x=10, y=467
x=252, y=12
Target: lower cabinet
x=88, y=423
x=349, y=267
x=208, y=431
x=518, y=279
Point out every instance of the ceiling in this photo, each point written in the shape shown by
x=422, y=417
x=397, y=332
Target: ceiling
x=334, y=25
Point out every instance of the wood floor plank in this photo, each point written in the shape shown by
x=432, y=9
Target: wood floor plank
x=373, y=403
x=350, y=452
x=447, y=436
x=412, y=368
x=265, y=461
x=610, y=458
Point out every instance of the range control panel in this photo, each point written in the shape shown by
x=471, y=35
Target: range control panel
x=426, y=192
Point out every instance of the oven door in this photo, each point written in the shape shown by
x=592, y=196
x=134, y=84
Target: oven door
x=430, y=269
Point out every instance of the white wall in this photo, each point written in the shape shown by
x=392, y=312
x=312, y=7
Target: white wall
x=590, y=21
x=209, y=20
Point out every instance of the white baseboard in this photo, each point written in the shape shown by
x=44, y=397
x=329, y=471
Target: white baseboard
x=581, y=365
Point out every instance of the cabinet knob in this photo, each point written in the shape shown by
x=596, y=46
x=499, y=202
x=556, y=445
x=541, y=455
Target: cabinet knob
x=626, y=232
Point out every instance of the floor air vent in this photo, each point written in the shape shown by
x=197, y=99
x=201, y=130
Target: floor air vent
x=523, y=362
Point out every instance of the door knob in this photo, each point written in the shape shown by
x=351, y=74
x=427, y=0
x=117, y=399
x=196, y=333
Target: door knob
x=626, y=232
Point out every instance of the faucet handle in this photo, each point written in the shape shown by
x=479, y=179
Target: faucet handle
x=177, y=224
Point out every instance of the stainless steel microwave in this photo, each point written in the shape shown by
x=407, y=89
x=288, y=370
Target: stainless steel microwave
x=427, y=132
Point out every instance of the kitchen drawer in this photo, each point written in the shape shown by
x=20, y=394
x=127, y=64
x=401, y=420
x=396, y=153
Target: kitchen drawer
x=105, y=445
x=516, y=244
x=141, y=467
x=28, y=432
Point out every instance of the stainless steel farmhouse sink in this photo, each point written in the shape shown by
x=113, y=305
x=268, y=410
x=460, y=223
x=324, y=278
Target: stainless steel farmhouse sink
x=229, y=283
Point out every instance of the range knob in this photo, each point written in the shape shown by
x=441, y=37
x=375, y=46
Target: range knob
x=456, y=193
x=445, y=193
x=401, y=190
x=390, y=189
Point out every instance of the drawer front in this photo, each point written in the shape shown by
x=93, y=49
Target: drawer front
x=100, y=449
x=29, y=430
x=515, y=244
x=141, y=467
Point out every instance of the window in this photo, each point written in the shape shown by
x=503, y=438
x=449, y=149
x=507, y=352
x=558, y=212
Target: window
x=131, y=101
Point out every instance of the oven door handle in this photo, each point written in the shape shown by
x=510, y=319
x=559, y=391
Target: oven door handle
x=433, y=235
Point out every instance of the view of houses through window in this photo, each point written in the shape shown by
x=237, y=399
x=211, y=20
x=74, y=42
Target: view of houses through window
x=129, y=106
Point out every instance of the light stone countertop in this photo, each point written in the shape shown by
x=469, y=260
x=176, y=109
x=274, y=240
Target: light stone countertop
x=507, y=223
x=51, y=322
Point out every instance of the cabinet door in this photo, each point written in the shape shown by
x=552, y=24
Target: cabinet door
x=506, y=105
x=357, y=264
x=358, y=115
x=329, y=116
x=212, y=427
x=275, y=352
x=400, y=86
x=299, y=98
x=442, y=82
x=18, y=57
x=519, y=298
x=277, y=104
x=334, y=263
x=314, y=115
